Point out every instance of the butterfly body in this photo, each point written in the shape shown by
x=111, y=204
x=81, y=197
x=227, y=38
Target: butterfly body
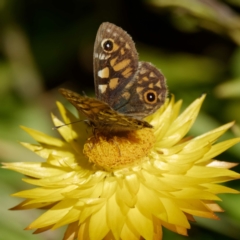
x=126, y=90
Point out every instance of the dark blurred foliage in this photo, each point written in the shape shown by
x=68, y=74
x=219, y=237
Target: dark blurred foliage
x=48, y=44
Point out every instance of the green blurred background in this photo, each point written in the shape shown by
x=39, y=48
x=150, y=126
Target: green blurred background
x=45, y=45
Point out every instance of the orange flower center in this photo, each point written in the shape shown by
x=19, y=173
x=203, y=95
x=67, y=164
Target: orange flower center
x=114, y=152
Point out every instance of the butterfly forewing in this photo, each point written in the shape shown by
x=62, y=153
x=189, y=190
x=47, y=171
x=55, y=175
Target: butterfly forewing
x=115, y=62
x=101, y=115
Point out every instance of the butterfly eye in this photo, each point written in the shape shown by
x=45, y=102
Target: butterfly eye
x=150, y=96
x=107, y=45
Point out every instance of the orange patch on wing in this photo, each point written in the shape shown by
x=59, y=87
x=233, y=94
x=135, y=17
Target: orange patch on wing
x=121, y=65
x=113, y=61
x=127, y=46
x=126, y=95
x=128, y=75
x=150, y=85
x=113, y=83
x=115, y=47
x=139, y=89
x=161, y=96
x=153, y=75
x=122, y=51
x=127, y=72
x=158, y=84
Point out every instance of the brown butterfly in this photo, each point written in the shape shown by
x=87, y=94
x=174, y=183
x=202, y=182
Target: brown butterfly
x=127, y=90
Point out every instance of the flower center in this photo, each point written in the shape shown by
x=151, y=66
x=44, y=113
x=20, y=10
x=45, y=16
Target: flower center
x=114, y=152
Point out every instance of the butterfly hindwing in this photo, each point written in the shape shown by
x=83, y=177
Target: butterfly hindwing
x=146, y=95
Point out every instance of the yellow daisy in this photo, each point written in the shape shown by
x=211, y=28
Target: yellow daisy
x=129, y=186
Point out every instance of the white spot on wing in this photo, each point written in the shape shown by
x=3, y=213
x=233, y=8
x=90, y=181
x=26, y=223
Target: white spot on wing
x=100, y=74
x=107, y=56
x=104, y=73
x=102, y=88
x=109, y=30
x=102, y=56
x=95, y=55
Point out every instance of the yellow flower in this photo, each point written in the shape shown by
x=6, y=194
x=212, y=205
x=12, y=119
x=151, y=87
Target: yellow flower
x=129, y=186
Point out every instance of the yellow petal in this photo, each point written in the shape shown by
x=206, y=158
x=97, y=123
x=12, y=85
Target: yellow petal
x=71, y=232
x=175, y=137
x=109, y=187
x=70, y=136
x=44, y=194
x=128, y=232
x=115, y=217
x=195, y=207
x=43, y=138
x=126, y=196
x=221, y=164
x=71, y=217
x=214, y=207
x=216, y=188
x=209, y=172
x=53, y=215
x=98, y=219
x=132, y=183
x=188, y=115
x=149, y=200
x=141, y=222
x=37, y=170
x=174, y=214
x=77, y=125
x=45, y=151
x=90, y=209
x=219, y=148
x=190, y=156
x=26, y=205
x=175, y=228
x=207, y=138
x=194, y=193
x=55, y=181
x=67, y=116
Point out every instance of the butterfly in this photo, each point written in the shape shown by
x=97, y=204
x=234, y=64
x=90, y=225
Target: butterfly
x=126, y=90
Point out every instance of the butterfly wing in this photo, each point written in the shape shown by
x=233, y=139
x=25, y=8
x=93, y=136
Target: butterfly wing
x=100, y=115
x=146, y=95
x=130, y=87
x=115, y=61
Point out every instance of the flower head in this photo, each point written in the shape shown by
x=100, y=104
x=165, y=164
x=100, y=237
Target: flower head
x=127, y=186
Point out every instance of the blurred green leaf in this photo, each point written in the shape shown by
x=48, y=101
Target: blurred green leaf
x=183, y=69
x=212, y=15
x=229, y=89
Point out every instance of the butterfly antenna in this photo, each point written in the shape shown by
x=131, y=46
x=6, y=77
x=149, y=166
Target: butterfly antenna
x=57, y=127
